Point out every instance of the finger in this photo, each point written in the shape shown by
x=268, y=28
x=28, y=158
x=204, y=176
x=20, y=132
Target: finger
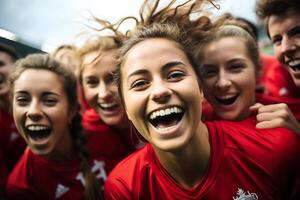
x=276, y=123
x=273, y=107
x=255, y=107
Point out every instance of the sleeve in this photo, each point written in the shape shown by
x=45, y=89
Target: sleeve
x=116, y=189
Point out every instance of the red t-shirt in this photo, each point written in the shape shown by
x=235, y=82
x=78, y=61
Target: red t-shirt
x=128, y=139
x=36, y=177
x=275, y=79
x=11, y=142
x=3, y=172
x=245, y=162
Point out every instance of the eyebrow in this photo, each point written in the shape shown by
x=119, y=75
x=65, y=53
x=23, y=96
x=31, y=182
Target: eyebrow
x=294, y=30
x=43, y=93
x=164, y=67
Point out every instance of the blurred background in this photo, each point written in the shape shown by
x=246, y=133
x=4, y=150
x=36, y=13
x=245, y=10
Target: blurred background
x=35, y=25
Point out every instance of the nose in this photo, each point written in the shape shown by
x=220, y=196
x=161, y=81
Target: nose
x=34, y=112
x=160, y=93
x=104, y=91
x=287, y=45
x=223, y=81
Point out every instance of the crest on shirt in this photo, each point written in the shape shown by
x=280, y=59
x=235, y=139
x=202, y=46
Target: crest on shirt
x=242, y=195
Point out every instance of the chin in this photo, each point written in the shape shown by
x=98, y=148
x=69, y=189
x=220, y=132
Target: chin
x=112, y=121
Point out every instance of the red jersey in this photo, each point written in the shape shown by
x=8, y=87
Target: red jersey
x=3, y=172
x=275, y=79
x=11, y=142
x=36, y=177
x=245, y=163
x=92, y=123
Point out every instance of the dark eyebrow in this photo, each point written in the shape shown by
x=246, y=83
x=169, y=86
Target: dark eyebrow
x=21, y=92
x=294, y=30
x=43, y=94
x=50, y=93
x=164, y=67
x=172, y=64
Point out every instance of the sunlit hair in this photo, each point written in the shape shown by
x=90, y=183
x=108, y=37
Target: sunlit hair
x=185, y=24
x=98, y=44
x=233, y=29
x=265, y=8
x=169, y=32
x=63, y=47
x=68, y=79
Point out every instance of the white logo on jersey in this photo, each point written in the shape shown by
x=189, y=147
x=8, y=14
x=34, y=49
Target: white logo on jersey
x=241, y=195
x=97, y=169
x=283, y=91
x=60, y=190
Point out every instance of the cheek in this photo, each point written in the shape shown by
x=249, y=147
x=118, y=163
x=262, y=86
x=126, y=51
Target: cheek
x=89, y=93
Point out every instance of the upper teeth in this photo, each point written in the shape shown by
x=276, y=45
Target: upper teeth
x=227, y=97
x=164, y=112
x=106, y=105
x=293, y=63
x=36, y=128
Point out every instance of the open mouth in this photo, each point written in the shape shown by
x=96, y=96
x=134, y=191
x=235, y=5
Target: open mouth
x=108, y=107
x=227, y=100
x=166, y=118
x=294, y=64
x=38, y=132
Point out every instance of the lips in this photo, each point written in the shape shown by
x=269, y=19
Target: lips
x=38, y=133
x=167, y=117
x=294, y=64
x=108, y=106
x=227, y=100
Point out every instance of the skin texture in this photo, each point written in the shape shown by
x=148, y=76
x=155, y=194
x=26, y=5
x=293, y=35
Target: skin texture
x=100, y=90
x=167, y=81
x=36, y=102
x=284, y=31
x=228, y=72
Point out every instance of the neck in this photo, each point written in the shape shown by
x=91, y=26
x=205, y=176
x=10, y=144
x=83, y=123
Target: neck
x=188, y=166
x=64, y=151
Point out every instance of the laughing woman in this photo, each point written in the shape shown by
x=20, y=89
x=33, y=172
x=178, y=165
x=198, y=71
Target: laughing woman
x=187, y=158
x=45, y=109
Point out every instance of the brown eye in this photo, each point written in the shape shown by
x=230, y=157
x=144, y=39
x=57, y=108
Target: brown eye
x=22, y=100
x=139, y=84
x=175, y=75
x=92, y=82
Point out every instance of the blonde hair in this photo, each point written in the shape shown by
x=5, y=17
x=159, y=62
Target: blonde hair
x=98, y=44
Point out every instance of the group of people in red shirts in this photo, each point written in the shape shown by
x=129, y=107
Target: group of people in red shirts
x=169, y=110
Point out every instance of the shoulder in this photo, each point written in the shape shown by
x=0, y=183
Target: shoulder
x=131, y=168
x=133, y=163
x=20, y=179
x=277, y=143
